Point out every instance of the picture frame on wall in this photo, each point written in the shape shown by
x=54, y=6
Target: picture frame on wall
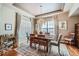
x=8, y=26
x=63, y=25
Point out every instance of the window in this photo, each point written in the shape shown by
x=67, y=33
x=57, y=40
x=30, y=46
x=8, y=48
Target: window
x=48, y=27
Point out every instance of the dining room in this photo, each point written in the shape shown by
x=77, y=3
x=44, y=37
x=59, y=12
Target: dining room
x=46, y=29
x=45, y=39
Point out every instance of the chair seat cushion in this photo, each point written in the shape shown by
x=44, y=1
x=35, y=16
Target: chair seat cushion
x=67, y=39
x=54, y=43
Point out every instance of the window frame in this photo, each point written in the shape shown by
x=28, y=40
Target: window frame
x=47, y=28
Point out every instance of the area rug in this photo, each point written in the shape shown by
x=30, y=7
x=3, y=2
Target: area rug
x=63, y=50
x=27, y=51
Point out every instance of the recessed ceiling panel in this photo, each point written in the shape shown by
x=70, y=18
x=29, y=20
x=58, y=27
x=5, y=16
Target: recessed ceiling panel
x=39, y=8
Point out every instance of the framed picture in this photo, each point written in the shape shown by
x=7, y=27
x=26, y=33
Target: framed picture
x=63, y=25
x=8, y=26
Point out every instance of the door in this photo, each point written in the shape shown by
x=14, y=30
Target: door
x=24, y=32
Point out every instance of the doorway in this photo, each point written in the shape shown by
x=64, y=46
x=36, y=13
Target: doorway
x=24, y=31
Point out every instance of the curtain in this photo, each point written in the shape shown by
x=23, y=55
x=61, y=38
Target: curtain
x=44, y=20
x=17, y=26
x=56, y=26
x=25, y=29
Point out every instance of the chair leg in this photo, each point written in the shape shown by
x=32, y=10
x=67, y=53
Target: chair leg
x=38, y=47
x=44, y=48
x=35, y=45
x=59, y=51
x=50, y=49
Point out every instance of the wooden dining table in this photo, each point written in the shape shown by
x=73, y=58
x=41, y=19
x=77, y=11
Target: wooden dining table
x=46, y=38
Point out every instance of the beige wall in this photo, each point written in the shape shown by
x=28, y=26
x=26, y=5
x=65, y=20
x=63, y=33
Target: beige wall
x=71, y=21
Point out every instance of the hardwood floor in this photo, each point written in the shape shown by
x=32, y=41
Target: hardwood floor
x=72, y=50
x=11, y=52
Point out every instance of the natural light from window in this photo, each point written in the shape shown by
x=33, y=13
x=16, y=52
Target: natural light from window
x=48, y=27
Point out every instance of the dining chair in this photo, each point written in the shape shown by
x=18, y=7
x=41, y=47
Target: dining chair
x=41, y=35
x=56, y=43
x=40, y=32
x=33, y=40
x=42, y=42
x=47, y=33
x=27, y=36
x=32, y=35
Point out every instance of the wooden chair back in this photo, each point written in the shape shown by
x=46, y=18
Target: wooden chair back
x=41, y=35
x=32, y=35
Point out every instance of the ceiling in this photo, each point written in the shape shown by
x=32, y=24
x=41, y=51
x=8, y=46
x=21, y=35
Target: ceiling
x=39, y=8
x=76, y=12
x=72, y=8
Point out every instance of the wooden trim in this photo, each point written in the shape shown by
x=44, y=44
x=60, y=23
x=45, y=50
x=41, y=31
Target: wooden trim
x=16, y=45
x=48, y=13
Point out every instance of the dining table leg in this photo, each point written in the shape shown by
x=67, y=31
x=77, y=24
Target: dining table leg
x=47, y=48
x=30, y=43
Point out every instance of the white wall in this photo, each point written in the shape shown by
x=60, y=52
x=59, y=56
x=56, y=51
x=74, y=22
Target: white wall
x=71, y=8
x=0, y=18
x=8, y=16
